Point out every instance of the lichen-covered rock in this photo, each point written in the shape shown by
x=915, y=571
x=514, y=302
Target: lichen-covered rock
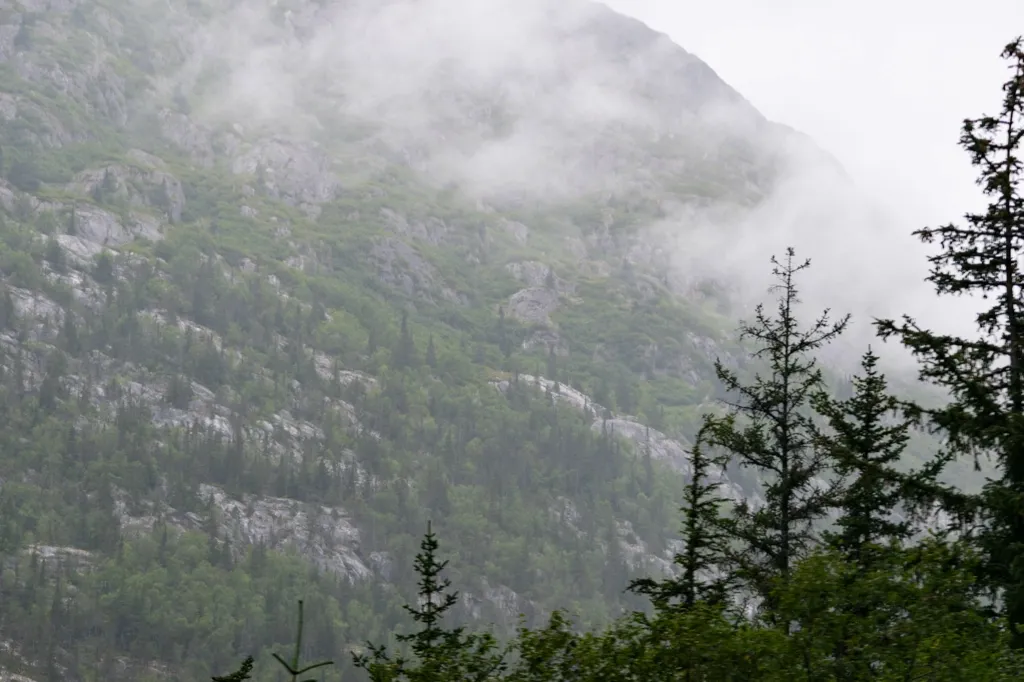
x=546, y=340
x=94, y=84
x=538, y=275
x=145, y=184
x=295, y=171
x=400, y=267
x=44, y=129
x=326, y=536
x=102, y=227
x=533, y=305
x=431, y=230
x=187, y=135
x=81, y=253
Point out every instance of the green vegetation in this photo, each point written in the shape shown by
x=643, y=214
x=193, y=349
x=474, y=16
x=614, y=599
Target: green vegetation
x=218, y=403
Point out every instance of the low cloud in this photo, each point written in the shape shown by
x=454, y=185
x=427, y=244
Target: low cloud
x=554, y=100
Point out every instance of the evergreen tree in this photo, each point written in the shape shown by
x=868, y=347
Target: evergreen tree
x=293, y=667
x=552, y=364
x=55, y=256
x=405, y=350
x=984, y=375
x=23, y=38
x=8, y=312
x=869, y=433
x=103, y=270
x=431, y=354
x=441, y=653
x=109, y=185
x=868, y=437
x=69, y=334
x=778, y=438
x=502, y=333
x=72, y=228
x=550, y=282
x=705, y=543
x=239, y=675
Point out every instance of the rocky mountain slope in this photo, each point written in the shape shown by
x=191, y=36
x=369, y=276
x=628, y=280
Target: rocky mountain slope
x=282, y=280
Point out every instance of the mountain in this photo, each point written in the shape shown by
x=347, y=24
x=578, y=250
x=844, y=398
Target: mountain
x=283, y=280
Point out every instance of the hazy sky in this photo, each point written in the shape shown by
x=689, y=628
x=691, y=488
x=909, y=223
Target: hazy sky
x=882, y=84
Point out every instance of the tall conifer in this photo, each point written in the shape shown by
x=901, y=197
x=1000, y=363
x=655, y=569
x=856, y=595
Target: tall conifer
x=772, y=430
x=984, y=374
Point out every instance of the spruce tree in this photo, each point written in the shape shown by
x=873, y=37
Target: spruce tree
x=704, y=543
x=431, y=354
x=239, y=675
x=984, y=374
x=405, y=350
x=869, y=433
x=441, y=653
x=771, y=429
x=8, y=311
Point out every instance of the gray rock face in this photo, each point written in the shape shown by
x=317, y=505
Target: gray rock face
x=324, y=535
x=46, y=130
x=93, y=83
x=297, y=172
x=536, y=274
x=36, y=306
x=400, y=267
x=431, y=230
x=519, y=232
x=8, y=107
x=180, y=130
x=547, y=340
x=504, y=602
x=56, y=6
x=8, y=199
x=144, y=185
x=102, y=227
x=533, y=305
x=81, y=253
x=671, y=451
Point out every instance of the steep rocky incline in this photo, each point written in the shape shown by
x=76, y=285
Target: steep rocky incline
x=299, y=275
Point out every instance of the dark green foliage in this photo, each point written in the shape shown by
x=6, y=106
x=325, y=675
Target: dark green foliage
x=985, y=375
x=705, y=543
x=914, y=614
x=867, y=439
x=72, y=226
x=239, y=675
x=441, y=653
x=103, y=271
x=55, y=256
x=23, y=38
x=278, y=315
x=24, y=174
x=773, y=432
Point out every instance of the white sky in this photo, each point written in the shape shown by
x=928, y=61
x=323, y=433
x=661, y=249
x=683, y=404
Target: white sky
x=881, y=84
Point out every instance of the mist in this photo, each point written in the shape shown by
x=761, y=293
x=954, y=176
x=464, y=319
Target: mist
x=548, y=100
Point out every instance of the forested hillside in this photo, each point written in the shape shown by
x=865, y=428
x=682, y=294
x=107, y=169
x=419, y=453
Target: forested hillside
x=277, y=289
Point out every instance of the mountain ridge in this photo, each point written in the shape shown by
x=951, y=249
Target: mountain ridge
x=256, y=331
